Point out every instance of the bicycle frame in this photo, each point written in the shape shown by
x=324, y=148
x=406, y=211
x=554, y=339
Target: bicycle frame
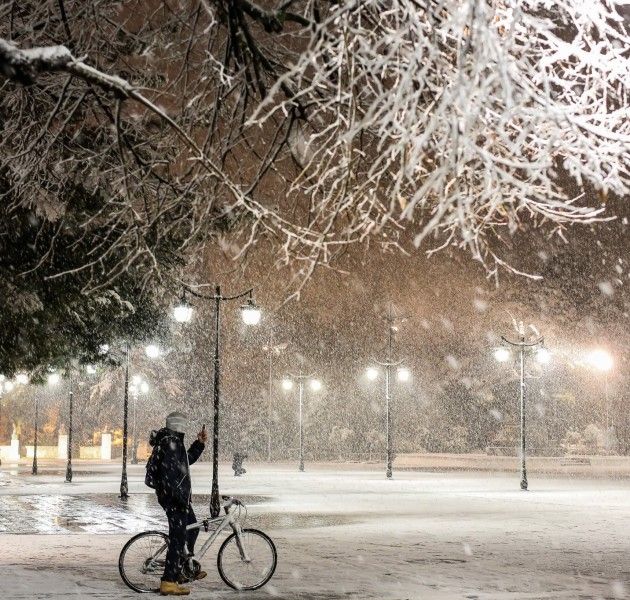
x=223, y=522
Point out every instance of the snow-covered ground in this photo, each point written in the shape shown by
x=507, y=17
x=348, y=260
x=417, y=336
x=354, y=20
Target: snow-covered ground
x=345, y=533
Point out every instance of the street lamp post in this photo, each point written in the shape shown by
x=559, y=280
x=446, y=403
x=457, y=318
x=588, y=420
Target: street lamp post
x=271, y=349
x=152, y=351
x=269, y=391
x=124, y=484
x=403, y=375
x=90, y=371
x=251, y=316
x=70, y=408
x=34, y=468
x=522, y=344
x=53, y=379
x=315, y=385
x=134, y=453
x=2, y=388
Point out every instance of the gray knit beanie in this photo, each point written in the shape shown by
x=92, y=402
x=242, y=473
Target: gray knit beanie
x=177, y=421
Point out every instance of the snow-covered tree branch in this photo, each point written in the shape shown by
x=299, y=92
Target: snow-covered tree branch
x=310, y=124
x=460, y=117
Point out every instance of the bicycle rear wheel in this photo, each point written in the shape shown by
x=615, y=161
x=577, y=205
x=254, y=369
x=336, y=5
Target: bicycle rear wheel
x=250, y=574
x=141, y=561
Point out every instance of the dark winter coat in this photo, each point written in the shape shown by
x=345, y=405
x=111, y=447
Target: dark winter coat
x=174, y=487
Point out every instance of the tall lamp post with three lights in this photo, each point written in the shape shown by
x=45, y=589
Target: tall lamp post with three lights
x=315, y=385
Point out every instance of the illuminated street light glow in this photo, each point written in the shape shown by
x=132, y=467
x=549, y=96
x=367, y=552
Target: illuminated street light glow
x=404, y=374
x=144, y=387
x=250, y=313
x=8, y=386
x=22, y=378
x=136, y=380
x=54, y=378
x=316, y=385
x=372, y=373
x=287, y=384
x=182, y=313
x=152, y=351
x=543, y=356
x=601, y=360
x=502, y=354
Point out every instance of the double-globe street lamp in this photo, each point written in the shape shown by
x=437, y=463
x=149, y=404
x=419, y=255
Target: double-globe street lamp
x=53, y=379
x=315, y=385
x=403, y=375
x=250, y=314
x=503, y=354
x=152, y=351
x=272, y=350
x=90, y=370
x=72, y=381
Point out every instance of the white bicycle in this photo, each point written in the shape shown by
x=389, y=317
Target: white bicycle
x=246, y=561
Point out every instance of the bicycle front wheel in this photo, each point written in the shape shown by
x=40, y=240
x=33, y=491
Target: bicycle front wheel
x=249, y=566
x=141, y=561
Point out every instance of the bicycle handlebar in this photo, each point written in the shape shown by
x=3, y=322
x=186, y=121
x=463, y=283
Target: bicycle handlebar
x=230, y=502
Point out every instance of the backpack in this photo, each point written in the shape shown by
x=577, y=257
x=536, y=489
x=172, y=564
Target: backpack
x=152, y=475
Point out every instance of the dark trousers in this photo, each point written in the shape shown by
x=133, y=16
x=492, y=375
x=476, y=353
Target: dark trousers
x=178, y=519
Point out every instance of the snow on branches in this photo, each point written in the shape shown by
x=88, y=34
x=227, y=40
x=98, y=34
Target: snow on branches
x=453, y=117
x=320, y=124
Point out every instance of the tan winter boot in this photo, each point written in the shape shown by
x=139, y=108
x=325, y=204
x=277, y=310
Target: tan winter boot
x=170, y=588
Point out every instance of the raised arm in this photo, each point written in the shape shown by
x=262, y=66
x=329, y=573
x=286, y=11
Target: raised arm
x=195, y=450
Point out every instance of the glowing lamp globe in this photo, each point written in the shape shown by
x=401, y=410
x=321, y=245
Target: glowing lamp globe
x=54, y=378
x=182, y=313
x=152, y=351
x=287, y=384
x=8, y=386
x=543, y=356
x=601, y=360
x=21, y=378
x=144, y=387
x=404, y=375
x=502, y=354
x=250, y=313
x=371, y=373
x=316, y=385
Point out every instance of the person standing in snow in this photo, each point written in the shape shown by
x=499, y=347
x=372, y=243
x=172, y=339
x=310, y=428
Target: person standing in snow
x=174, y=493
x=237, y=463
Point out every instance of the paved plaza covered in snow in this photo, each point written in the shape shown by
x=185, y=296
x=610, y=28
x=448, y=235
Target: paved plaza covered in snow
x=342, y=531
